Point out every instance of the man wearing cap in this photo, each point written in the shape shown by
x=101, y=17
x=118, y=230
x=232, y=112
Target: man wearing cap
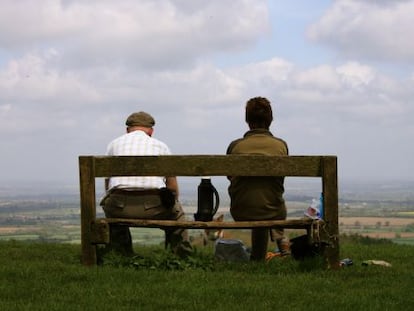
x=148, y=197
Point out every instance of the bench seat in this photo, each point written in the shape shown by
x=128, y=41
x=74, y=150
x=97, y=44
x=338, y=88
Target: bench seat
x=100, y=227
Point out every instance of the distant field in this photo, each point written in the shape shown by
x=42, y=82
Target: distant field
x=372, y=221
x=406, y=214
x=366, y=210
x=397, y=229
x=59, y=221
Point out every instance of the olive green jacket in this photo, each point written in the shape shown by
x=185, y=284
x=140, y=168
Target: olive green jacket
x=257, y=198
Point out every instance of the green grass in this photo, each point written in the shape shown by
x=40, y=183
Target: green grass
x=408, y=241
x=45, y=276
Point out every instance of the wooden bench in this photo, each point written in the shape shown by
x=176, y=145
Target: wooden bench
x=96, y=231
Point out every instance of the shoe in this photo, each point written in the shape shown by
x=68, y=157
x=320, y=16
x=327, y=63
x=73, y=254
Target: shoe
x=284, y=246
x=271, y=255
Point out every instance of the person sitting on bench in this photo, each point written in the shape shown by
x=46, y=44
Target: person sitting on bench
x=259, y=198
x=142, y=197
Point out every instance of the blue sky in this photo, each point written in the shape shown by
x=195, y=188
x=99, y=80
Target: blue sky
x=287, y=26
x=289, y=20
x=340, y=76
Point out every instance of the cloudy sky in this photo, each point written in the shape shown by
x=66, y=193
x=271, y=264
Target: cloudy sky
x=340, y=76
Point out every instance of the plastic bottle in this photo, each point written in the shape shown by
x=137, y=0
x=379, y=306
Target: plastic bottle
x=313, y=210
x=346, y=262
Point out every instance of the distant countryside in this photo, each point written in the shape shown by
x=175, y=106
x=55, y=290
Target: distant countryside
x=52, y=214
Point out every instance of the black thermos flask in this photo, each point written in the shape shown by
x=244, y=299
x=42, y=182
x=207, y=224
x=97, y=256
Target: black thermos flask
x=207, y=194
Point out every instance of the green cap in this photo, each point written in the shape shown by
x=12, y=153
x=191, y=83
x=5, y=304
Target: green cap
x=140, y=119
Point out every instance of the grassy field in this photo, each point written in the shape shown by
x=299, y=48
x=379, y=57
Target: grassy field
x=48, y=276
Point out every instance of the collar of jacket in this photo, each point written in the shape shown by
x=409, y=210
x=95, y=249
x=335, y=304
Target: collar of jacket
x=258, y=131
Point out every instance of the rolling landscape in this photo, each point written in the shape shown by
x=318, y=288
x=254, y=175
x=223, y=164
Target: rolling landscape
x=50, y=212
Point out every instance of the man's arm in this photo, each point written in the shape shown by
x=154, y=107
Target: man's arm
x=172, y=184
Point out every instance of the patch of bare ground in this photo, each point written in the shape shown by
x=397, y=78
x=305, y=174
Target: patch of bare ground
x=18, y=229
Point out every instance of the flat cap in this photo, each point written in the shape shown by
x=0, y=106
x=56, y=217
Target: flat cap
x=140, y=119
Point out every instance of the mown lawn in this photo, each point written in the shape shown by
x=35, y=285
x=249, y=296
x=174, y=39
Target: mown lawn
x=41, y=276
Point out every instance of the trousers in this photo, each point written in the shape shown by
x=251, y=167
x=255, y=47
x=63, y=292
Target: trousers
x=143, y=205
x=260, y=236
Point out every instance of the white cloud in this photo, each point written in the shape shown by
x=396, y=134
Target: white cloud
x=323, y=78
x=149, y=34
x=262, y=78
x=34, y=77
x=378, y=30
x=356, y=75
x=349, y=94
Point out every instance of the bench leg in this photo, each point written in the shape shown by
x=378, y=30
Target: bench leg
x=88, y=248
x=332, y=254
x=260, y=239
x=88, y=252
x=330, y=243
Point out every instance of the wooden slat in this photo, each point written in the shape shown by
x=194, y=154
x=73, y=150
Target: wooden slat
x=290, y=223
x=208, y=165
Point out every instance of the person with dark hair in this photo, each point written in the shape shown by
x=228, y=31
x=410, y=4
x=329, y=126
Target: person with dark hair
x=259, y=198
x=145, y=197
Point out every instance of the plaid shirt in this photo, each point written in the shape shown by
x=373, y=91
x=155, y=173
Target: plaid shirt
x=137, y=143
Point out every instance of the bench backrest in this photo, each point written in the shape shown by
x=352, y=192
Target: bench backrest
x=91, y=167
